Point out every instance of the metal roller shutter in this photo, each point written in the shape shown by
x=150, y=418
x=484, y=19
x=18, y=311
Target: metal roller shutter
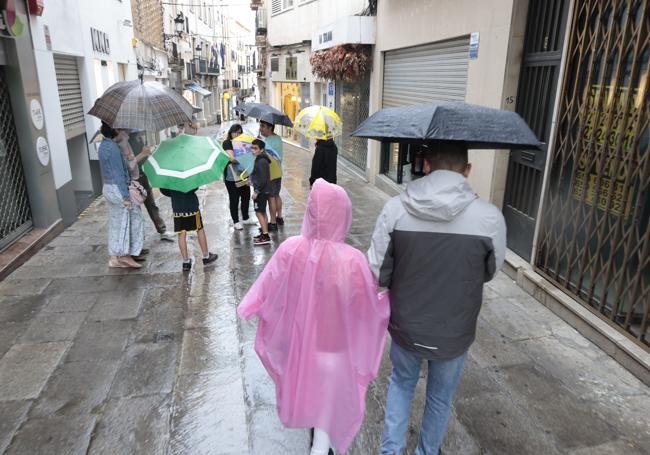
x=431, y=72
x=72, y=110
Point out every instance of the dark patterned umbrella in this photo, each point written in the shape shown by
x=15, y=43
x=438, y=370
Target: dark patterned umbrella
x=479, y=127
x=150, y=106
x=265, y=113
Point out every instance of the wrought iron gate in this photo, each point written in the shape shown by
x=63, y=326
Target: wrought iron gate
x=595, y=232
x=545, y=29
x=352, y=100
x=15, y=213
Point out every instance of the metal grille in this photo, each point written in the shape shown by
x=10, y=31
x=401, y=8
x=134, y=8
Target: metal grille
x=15, y=214
x=595, y=234
x=352, y=99
x=543, y=42
x=72, y=109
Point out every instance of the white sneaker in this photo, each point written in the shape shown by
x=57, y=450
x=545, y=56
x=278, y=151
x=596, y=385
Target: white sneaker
x=238, y=226
x=250, y=221
x=168, y=236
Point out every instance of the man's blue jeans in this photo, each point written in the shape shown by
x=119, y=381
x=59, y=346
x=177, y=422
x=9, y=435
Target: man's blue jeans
x=442, y=381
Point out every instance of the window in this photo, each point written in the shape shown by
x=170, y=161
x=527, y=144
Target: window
x=275, y=64
x=292, y=68
x=278, y=6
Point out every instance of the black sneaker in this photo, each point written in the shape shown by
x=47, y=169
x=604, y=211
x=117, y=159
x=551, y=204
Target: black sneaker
x=187, y=266
x=280, y=221
x=210, y=259
x=262, y=239
x=273, y=227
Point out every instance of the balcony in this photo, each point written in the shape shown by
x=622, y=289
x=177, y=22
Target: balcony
x=201, y=65
x=261, y=22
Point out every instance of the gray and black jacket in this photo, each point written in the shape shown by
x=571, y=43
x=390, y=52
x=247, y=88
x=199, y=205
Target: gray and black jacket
x=434, y=246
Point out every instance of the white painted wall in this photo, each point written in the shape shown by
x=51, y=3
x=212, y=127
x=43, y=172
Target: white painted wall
x=69, y=23
x=302, y=21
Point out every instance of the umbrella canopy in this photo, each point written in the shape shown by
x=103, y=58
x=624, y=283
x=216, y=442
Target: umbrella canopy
x=147, y=105
x=243, y=152
x=249, y=129
x=264, y=112
x=185, y=163
x=477, y=126
x=318, y=122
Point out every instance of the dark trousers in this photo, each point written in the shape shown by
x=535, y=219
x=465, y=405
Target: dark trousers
x=234, y=195
x=150, y=205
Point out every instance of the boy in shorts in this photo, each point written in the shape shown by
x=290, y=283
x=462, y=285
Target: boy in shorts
x=261, y=181
x=187, y=218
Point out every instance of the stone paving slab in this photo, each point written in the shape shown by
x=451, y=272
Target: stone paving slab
x=25, y=369
x=155, y=361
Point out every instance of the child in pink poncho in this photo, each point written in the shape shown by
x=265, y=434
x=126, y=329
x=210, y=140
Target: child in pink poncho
x=322, y=326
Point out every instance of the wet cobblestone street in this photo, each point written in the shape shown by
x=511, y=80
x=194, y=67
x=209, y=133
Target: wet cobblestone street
x=153, y=361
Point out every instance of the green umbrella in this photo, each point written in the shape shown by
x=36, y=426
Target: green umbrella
x=185, y=163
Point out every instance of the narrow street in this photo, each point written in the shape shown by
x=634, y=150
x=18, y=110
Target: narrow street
x=108, y=361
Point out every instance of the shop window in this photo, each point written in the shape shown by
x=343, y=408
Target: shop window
x=402, y=162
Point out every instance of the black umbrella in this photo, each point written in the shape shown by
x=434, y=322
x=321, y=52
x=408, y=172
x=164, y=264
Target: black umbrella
x=477, y=126
x=264, y=112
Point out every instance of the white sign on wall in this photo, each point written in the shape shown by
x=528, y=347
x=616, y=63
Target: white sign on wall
x=36, y=112
x=43, y=150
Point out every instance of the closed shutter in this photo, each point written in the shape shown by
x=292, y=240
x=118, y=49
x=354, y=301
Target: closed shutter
x=276, y=6
x=67, y=78
x=421, y=74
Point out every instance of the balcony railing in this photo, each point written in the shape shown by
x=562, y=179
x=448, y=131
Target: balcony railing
x=261, y=21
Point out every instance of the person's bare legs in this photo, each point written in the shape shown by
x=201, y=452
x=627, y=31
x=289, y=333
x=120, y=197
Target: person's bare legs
x=278, y=207
x=182, y=245
x=273, y=208
x=203, y=241
x=264, y=224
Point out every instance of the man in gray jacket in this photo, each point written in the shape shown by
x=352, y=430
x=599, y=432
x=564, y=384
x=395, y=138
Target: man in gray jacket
x=434, y=246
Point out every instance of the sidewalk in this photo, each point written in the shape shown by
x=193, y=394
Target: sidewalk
x=94, y=360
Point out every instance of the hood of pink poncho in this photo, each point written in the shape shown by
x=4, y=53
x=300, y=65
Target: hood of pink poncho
x=329, y=213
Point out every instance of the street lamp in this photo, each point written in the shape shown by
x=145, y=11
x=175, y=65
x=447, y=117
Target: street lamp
x=179, y=24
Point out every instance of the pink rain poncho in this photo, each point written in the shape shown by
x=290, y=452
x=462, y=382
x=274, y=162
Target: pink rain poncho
x=322, y=326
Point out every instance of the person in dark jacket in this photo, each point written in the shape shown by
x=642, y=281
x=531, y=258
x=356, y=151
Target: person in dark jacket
x=261, y=180
x=187, y=218
x=323, y=165
x=434, y=246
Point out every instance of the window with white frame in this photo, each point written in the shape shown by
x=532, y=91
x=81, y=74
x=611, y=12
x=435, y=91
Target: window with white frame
x=279, y=6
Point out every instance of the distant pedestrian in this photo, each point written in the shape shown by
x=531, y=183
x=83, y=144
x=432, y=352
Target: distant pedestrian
x=239, y=194
x=434, y=246
x=125, y=224
x=187, y=218
x=274, y=143
x=261, y=181
x=133, y=145
x=323, y=164
x=322, y=326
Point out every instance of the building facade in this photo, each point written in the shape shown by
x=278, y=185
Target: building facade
x=81, y=48
x=295, y=31
x=578, y=209
x=28, y=183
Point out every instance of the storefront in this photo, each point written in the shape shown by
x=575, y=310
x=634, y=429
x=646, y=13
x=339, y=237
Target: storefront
x=352, y=100
x=27, y=191
x=594, y=237
x=293, y=96
x=420, y=74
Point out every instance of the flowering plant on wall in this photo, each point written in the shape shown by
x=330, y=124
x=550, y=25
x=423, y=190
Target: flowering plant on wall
x=347, y=62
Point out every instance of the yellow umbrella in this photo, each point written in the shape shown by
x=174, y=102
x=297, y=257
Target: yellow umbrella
x=318, y=122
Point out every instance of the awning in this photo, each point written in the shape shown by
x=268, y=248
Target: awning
x=198, y=89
